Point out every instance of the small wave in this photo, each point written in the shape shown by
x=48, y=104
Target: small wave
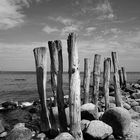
x=19, y=79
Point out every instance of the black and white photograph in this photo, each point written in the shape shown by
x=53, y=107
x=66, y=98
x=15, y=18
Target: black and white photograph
x=69, y=69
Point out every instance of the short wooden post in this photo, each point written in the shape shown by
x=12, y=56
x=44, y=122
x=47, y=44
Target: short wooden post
x=96, y=81
x=60, y=94
x=86, y=80
x=40, y=55
x=74, y=97
x=116, y=80
x=53, y=58
x=124, y=77
x=120, y=78
x=106, y=81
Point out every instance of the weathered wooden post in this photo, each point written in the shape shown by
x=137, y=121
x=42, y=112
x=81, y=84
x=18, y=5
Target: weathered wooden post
x=53, y=58
x=96, y=81
x=86, y=80
x=116, y=80
x=60, y=94
x=74, y=97
x=124, y=77
x=120, y=77
x=40, y=55
x=106, y=81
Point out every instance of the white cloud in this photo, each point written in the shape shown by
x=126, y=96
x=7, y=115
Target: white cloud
x=90, y=31
x=68, y=25
x=49, y=29
x=65, y=21
x=105, y=10
x=71, y=28
x=11, y=14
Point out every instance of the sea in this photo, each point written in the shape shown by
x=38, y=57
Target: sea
x=22, y=86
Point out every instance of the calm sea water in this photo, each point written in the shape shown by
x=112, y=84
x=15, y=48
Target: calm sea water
x=21, y=86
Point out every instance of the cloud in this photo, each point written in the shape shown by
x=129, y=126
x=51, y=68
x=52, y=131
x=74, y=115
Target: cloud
x=49, y=29
x=90, y=31
x=65, y=21
x=10, y=15
x=11, y=12
x=68, y=25
x=71, y=28
x=104, y=10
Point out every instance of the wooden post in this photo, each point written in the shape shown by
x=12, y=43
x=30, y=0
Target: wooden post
x=60, y=94
x=86, y=81
x=120, y=78
x=53, y=58
x=106, y=81
x=40, y=55
x=124, y=77
x=116, y=80
x=74, y=97
x=96, y=81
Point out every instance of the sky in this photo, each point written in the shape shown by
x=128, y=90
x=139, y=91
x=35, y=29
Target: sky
x=102, y=26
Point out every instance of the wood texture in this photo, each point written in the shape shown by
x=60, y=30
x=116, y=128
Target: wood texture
x=96, y=81
x=54, y=68
x=60, y=94
x=106, y=81
x=40, y=55
x=118, y=98
x=74, y=97
x=124, y=77
x=86, y=79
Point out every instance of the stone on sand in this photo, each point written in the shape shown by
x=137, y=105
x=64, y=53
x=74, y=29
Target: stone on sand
x=119, y=119
x=97, y=130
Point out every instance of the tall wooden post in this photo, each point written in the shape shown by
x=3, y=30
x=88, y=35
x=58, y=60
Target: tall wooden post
x=74, y=97
x=60, y=94
x=40, y=55
x=86, y=80
x=53, y=58
x=124, y=77
x=106, y=81
x=116, y=80
x=96, y=81
x=120, y=77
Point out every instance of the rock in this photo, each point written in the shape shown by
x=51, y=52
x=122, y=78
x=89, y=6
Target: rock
x=111, y=88
x=52, y=133
x=41, y=136
x=97, y=130
x=64, y=136
x=112, y=99
x=126, y=106
x=134, y=103
x=138, y=82
x=3, y=134
x=88, y=111
x=136, y=95
x=111, y=137
x=134, y=131
x=9, y=105
x=26, y=104
x=119, y=119
x=137, y=86
x=19, y=132
x=134, y=114
x=137, y=100
x=136, y=108
x=112, y=105
x=84, y=124
x=18, y=115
